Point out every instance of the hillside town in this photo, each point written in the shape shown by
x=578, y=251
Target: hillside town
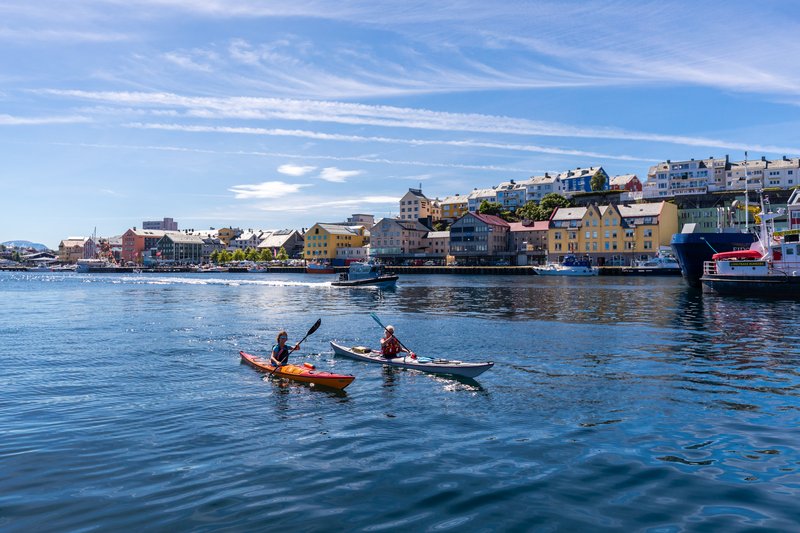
x=583, y=211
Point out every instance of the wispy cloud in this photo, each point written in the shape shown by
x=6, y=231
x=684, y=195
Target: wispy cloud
x=267, y=189
x=336, y=175
x=311, y=205
x=291, y=169
x=8, y=120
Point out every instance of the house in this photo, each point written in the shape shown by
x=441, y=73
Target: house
x=537, y=187
x=611, y=234
x=289, y=239
x=167, y=224
x=453, y=207
x=416, y=206
x=479, y=239
x=580, y=180
x=210, y=245
x=478, y=196
x=437, y=244
x=511, y=195
x=394, y=239
x=529, y=241
x=321, y=241
x=625, y=182
x=71, y=249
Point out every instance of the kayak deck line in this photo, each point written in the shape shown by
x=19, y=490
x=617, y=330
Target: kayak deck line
x=298, y=373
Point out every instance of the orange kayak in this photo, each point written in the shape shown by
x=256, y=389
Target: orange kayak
x=299, y=373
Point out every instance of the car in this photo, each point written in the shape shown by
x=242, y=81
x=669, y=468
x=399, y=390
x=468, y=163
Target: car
x=430, y=263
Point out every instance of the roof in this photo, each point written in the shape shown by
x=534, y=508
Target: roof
x=183, y=237
x=539, y=225
x=569, y=213
x=457, y=199
x=492, y=220
x=623, y=179
x=438, y=234
x=547, y=178
x=339, y=230
x=641, y=210
x=482, y=193
x=276, y=240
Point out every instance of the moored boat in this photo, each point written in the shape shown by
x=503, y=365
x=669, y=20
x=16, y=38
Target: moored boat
x=664, y=263
x=770, y=267
x=302, y=374
x=366, y=273
x=570, y=266
x=319, y=268
x=424, y=364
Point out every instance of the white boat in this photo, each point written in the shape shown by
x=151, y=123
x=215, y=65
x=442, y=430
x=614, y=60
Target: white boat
x=570, y=266
x=94, y=265
x=771, y=267
x=662, y=264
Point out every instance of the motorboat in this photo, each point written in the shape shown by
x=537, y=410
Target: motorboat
x=569, y=266
x=366, y=273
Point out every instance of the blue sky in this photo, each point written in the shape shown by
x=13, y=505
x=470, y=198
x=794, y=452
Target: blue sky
x=273, y=114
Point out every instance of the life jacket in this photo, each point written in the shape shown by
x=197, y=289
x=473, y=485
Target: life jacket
x=283, y=355
x=391, y=346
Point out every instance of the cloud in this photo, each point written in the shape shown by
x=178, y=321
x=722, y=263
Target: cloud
x=315, y=204
x=8, y=120
x=295, y=170
x=336, y=175
x=267, y=189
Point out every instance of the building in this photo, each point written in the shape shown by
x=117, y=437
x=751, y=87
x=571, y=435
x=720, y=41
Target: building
x=179, y=247
x=322, y=241
x=289, y=239
x=210, y=245
x=163, y=225
x=478, y=196
x=71, y=249
x=345, y=256
x=611, y=234
x=511, y=195
x=580, y=180
x=453, y=207
x=416, y=206
x=394, y=239
x=249, y=239
x=625, y=182
x=226, y=235
x=537, y=187
x=361, y=219
x=137, y=243
x=528, y=241
x=479, y=239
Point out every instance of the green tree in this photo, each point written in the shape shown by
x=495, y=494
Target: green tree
x=224, y=257
x=266, y=255
x=549, y=203
x=251, y=254
x=282, y=255
x=214, y=257
x=529, y=211
x=238, y=255
x=490, y=208
x=598, y=181
x=441, y=225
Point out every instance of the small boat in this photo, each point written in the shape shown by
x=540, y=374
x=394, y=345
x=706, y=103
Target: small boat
x=365, y=273
x=319, y=268
x=424, y=364
x=664, y=263
x=771, y=267
x=570, y=266
x=304, y=374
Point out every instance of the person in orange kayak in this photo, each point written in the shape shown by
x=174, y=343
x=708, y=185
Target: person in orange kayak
x=390, y=346
x=280, y=352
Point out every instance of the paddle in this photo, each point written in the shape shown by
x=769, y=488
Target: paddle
x=378, y=320
x=314, y=328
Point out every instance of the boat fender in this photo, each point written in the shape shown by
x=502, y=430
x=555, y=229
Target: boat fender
x=309, y=365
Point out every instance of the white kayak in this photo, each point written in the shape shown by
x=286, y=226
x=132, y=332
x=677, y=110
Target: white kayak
x=424, y=364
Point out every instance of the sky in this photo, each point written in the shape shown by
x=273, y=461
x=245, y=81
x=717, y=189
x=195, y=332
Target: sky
x=279, y=114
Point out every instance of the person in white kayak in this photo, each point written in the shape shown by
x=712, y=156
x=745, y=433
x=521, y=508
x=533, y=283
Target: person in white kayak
x=390, y=346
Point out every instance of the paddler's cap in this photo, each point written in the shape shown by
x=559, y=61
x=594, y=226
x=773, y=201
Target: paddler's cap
x=390, y=329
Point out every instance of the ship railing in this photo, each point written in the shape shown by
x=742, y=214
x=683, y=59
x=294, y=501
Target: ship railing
x=709, y=268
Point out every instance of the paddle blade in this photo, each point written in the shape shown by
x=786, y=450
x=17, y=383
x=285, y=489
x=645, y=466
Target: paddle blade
x=315, y=327
x=378, y=320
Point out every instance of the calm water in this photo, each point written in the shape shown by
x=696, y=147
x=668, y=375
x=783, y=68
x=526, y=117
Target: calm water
x=628, y=404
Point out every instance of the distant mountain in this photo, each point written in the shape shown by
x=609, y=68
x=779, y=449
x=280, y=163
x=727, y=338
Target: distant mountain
x=25, y=244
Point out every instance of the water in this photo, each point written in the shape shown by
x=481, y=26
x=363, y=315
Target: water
x=632, y=404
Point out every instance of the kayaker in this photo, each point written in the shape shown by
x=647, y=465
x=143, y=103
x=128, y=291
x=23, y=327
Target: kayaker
x=280, y=352
x=390, y=346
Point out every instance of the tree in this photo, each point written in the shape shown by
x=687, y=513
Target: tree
x=214, y=256
x=282, y=255
x=266, y=255
x=598, y=181
x=549, y=203
x=238, y=255
x=441, y=225
x=251, y=254
x=490, y=208
x=529, y=211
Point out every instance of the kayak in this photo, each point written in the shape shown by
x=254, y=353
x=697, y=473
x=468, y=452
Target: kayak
x=305, y=374
x=425, y=364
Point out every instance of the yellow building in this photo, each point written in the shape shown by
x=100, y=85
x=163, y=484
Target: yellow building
x=322, y=240
x=611, y=234
x=453, y=207
x=226, y=235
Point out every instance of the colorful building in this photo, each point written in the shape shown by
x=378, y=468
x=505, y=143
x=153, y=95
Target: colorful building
x=476, y=238
x=453, y=207
x=321, y=241
x=137, y=243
